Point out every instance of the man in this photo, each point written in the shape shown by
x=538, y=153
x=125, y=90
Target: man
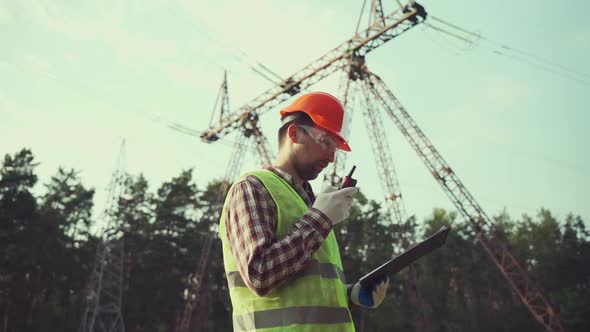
x=281, y=257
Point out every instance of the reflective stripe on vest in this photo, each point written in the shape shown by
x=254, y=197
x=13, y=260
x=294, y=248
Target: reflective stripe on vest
x=325, y=270
x=312, y=300
x=289, y=316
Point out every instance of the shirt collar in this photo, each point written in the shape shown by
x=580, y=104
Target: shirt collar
x=286, y=176
x=305, y=190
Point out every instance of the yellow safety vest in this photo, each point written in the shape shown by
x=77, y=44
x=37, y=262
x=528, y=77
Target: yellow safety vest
x=315, y=300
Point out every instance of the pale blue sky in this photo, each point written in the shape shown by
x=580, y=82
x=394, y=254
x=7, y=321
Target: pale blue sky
x=78, y=76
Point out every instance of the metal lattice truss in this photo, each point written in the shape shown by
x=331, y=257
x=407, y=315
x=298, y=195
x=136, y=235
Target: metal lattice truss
x=249, y=133
x=350, y=57
x=516, y=275
x=380, y=32
x=103, y=312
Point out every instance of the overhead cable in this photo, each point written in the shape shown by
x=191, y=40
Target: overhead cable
x=502, y=49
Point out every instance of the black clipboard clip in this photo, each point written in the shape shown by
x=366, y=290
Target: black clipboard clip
x=406, y=258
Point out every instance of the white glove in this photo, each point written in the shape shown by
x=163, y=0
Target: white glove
x=335, y=203
x=369, y=298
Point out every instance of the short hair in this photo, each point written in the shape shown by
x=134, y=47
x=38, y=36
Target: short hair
x=296, y=118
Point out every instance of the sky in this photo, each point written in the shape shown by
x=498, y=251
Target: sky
x=507, y=110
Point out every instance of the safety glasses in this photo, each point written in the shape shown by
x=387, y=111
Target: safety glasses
x=325, y=140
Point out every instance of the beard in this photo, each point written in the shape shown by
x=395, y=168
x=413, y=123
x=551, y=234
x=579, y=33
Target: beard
x=307, y=171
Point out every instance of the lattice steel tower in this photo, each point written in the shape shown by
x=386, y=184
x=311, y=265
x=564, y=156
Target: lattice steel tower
x=350, y=57
x=249, y=132
x=103, y=311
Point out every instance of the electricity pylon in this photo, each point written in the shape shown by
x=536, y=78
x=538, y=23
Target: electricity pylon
x=103, y=311
x=382, y=29
x=355, y=94
x=248, y=132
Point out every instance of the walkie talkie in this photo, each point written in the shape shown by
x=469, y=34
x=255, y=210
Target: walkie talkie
x=348, y=181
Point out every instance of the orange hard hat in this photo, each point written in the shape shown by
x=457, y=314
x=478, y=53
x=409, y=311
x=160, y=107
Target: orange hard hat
x=324, y=110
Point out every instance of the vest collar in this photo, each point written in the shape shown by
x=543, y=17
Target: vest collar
x=305, y=190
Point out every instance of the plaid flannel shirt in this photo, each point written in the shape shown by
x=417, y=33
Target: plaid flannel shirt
x=265, y=262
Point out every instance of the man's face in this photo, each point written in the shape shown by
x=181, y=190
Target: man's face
x=315, y=151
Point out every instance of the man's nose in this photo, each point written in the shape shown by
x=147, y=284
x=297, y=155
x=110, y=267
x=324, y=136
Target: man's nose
x=330, y=154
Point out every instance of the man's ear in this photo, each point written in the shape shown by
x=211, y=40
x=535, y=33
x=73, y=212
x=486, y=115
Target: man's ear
x=293, y=133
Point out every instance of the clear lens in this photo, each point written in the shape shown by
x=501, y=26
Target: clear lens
x=327, y=142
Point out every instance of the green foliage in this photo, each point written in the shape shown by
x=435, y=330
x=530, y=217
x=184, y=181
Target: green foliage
x=44, y=264
x=47, y=251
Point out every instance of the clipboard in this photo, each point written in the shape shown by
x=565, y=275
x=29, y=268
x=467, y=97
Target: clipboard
x=406, y=258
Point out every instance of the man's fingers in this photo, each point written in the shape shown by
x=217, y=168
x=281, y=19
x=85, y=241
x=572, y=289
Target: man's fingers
x=346, y=215
x=379, y=292
x=329, y=189
x=348, y=191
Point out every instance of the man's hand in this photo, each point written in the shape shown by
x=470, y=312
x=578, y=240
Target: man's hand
x=335, y=203
x=369, y=298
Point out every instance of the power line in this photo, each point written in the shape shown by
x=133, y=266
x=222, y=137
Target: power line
x=502, y=49
x=77, y=87
x=446, y=44
x=509, y=48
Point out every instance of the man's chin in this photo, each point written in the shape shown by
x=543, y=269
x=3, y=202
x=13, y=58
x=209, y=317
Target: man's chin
x=312, y=175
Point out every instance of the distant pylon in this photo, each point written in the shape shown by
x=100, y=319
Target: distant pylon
x=103, y=300
x=196, y=296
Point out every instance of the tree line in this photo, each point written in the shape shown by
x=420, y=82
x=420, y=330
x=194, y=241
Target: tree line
x=47, y=250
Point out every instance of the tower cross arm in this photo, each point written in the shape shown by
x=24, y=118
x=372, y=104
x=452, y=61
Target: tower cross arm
x=378, y=33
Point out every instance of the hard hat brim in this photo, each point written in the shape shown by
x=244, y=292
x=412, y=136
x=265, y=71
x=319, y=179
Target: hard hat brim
x=342, y=144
